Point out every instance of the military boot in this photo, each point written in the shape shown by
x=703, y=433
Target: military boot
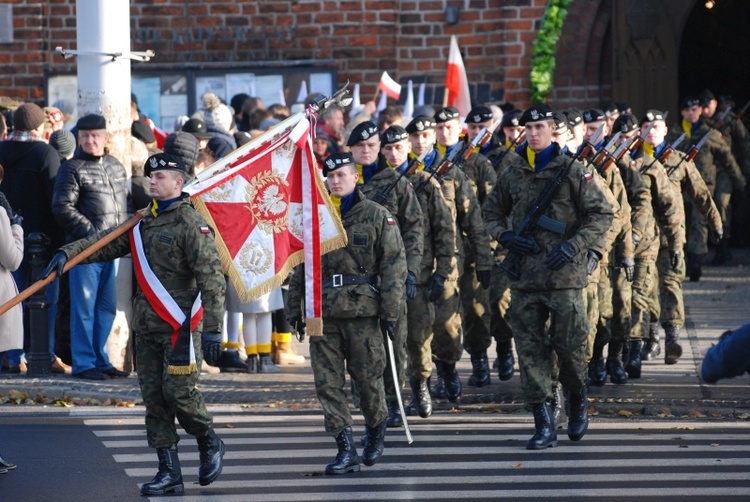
x=651, y=348
x=480, y=375
x=346, y=459
x=545, y=435
x=230, y=362
x=694, y=266
x=597, y=370
x=578, y=419
x=421, y=399
x=394, y=415
x=452, y=382
x=375, y=443
x=211, y=452
x=633, y=366
x=505, y=360
x=168, y=478
x=672, y=348
x=616, y=372
x=556, y=405
x=438, y=391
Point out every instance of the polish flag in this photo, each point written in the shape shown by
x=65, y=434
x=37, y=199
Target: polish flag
x=409, y=103
x=389, y=86
x=456, y=83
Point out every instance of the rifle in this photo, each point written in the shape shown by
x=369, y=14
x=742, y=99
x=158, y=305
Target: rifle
x=736, y=117
x=535, y=219
x=604, y=154
x=513, y=144
x=743, y=110
x=718, y=123
x=669, y=149
x=450, y=160
x=618, y=154
x=484, y=137
x=691, y=154
x=410, y=169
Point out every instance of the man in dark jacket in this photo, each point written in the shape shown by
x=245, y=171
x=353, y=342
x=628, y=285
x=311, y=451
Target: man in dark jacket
x=91, y=195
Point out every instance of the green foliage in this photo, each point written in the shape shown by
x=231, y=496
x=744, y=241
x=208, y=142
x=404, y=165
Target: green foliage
x=545, y=46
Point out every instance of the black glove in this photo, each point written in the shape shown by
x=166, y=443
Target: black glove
x=716, y=235
x=211, y=347
x=17, y=219
x=675, y=257
x=6, y=205
x=592, y=261
x=519, y=244
x=411, y=286
x=484, y=276
x=560, y=256
x=388, y=328
x=57, y=264
x=299, y=326
x=628, y=266
x=437, y=286
x=636, y=239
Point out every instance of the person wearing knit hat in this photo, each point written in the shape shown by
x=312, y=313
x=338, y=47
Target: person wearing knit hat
x=218, y=118
x=183, y=145
x=28, y=117
x=64, y=142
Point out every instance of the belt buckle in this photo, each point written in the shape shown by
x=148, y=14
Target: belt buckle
x=337, y=280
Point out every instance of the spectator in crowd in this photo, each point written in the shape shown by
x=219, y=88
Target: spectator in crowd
x=728, y=358
x=197, y=128
x=141, y=131
x=331, y=124
x=67, y=107
x=64, y=142
x=218, y=118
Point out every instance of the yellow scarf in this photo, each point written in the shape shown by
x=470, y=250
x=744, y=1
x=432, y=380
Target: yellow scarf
x=154, y=205
x=507, y=142
x=336, y=201
x=360, y=181
x=531, y=155
x=687, y=127
x=648, y=149
x=441, y=149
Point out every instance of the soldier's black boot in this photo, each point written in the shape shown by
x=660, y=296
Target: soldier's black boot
x=211, y=452
x=480, y=375
x=346, y=459
x=633, y=366
x=597, y=370
x=505, y=360
x=375, y=444
x=578, y=419
x=651, y=348
x=168, y=479
x=556, y=405
x=422, y=400
x=394, y=415
x=694, y=266
x=672, y=348
x=452, y=382
x=438, y=391
x=545, y=435
x=616, y=372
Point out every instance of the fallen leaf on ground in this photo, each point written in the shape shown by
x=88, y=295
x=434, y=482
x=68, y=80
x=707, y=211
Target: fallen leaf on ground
x=625, y=413
x=516, y=466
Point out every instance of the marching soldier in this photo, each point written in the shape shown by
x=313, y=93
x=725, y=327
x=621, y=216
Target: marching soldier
x=552, y=272
x=363, y=291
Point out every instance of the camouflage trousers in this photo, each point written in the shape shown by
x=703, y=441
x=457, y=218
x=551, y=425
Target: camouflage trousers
x=604, y=295
x=420, y=313
x=168, y=396
x=670, y=299
x=537, y=347
x=723, y=200
x=399, y=354
x=353, y=345
x=622, y=298
x=499, y=306
x=476, y=311
x=447, y=329
x=645, y=298
x=591, y=303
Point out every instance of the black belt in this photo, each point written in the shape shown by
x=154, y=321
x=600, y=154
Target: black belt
x=339, y=280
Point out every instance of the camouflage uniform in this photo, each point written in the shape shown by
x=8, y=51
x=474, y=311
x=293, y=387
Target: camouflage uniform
x=352, y=340
x=186, y=261
x=738, y=138
x=540, y=293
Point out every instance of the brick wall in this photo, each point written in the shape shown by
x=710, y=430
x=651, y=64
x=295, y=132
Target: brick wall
x=409, y=38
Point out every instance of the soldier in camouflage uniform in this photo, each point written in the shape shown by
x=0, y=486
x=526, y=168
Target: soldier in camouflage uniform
x=401, y=201
x=439, y=241
x=473, y=282
x=179, y=248
x=363, y=291
x=552, y=272
x=714, y=155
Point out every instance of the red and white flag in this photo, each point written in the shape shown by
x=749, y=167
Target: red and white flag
x=389, y=86
x=456, y=83
x=271, y=212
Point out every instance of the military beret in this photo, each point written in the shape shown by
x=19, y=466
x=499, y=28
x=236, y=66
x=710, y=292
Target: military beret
x=510, y=119
x=652, y=115
x=724, y=97
x=165, y=162
x=393, y=134
x=560, y=120
x=420, y=123
x=140, y=130
x=336, y=161
x=593, y=115
x=536, y=113
x=706, y=97
x=479, y=114
x=623, y=107
x=575, y=116
x=91, y=122
x=362, y=132
x=689, y=102
x=446, y=114
x=611, y=109
x=625, y=123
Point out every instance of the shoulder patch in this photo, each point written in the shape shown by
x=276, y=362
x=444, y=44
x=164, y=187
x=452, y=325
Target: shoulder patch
x=390, y=220
x=205, y=229
x=587, y=176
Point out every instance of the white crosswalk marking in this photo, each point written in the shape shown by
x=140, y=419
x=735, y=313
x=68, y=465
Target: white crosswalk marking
x=281, y=456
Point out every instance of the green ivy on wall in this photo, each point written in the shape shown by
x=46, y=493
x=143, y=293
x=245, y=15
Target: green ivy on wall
x=545, y=46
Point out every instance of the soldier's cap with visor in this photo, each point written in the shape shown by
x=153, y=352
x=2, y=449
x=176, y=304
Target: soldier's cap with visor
x=536, y=113
x=625, y=123
x=479, y=114
x=362, y=132
x=420, y=123
x=445, y=114
x=575, y=116
x=593, y=115
x=652, y=115
x=689, y=102
x=337, y=161
x=510, y=119
x=393, y=134
x=560, y=120
x=166, y=162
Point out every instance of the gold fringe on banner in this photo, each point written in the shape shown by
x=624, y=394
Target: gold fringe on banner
x=314, y=326
x=182, y=370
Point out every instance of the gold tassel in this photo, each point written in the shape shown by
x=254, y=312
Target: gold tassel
x=182, y=370
x=314, y=326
